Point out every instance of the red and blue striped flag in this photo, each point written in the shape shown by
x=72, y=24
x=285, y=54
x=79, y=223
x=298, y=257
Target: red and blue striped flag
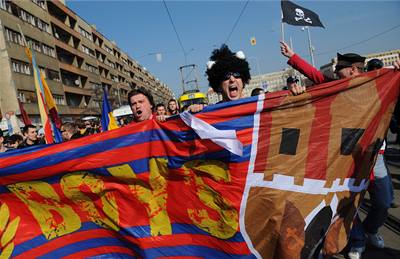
x=152, y=190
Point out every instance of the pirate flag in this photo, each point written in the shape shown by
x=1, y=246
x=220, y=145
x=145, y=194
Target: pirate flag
x=296, y=15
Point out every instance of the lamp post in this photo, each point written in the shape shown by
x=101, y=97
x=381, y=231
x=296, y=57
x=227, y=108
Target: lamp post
x=310, y=47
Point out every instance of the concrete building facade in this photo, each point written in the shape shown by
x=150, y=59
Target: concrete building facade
x=76, y=59
x=271, y=82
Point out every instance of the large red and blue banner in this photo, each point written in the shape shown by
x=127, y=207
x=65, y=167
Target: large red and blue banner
x=158, y=190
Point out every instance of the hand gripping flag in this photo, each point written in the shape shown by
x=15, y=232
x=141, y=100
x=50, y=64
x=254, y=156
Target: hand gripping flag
x=151, y=190
x=296, y=15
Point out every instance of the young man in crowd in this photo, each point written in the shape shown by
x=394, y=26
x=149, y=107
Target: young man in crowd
x=30, y=135
x=160, y=109
x=70, y=131
x=13, y=141
x=141, y=103
x=173, y=107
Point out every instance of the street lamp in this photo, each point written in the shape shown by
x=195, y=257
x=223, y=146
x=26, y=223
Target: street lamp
x=310, y=47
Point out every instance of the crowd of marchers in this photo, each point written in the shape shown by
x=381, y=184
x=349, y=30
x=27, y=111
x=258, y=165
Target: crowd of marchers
x=228, y=73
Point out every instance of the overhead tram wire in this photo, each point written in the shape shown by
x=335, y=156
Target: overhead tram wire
x=176, y=32
x=237, y=21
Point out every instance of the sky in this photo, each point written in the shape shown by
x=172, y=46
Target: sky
x=143, y=28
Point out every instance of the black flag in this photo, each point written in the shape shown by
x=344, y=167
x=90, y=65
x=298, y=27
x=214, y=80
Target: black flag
x=296, y=15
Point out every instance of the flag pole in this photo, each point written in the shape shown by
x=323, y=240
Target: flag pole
x=282, y=28
x=310, y=46
x=39, y=92
x=23, y=36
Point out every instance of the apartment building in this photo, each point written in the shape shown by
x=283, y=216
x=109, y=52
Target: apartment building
x=77, y=60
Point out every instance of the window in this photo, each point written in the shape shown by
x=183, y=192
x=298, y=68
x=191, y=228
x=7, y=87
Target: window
x=27, y=17
x=40, y=3
x=109, y=63
x=13, y=36
x=5, y=5
x=53, y=75
x=92, y=69
x=94, y=85
x=59, y=99
x=21, y=97
x=49, y=51
x=85, y=33
x=43, y=26
x=109, y=50
x=34, y=44
x=21, y=67
x=85, y=49
x=114, y=78
x=88, y=51
x=26, y=96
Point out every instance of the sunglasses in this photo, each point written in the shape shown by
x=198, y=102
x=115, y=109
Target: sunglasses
x=228, y=75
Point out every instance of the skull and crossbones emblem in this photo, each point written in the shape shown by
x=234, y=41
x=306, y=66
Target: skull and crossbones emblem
x=300, y=16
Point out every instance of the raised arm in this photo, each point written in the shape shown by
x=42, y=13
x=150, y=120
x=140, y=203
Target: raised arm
x=302, y=66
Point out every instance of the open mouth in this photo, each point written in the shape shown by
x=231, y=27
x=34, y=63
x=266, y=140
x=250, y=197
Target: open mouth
x=233, y=90
x=138, y=112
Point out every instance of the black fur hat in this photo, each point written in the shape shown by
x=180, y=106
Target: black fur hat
x=222, y=61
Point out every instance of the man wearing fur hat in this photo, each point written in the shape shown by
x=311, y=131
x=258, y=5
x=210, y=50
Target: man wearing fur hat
x=227, y=73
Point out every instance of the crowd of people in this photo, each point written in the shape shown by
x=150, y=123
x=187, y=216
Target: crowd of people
x=228, y=73
x=31, y=136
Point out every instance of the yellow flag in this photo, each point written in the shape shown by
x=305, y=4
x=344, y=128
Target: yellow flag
x=253, y=41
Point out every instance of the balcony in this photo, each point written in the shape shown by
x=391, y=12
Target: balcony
x=73, y=69
x=62, y=7
x=69, y=48
x=64, y=27
x=106, y=80
x=78, y=90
